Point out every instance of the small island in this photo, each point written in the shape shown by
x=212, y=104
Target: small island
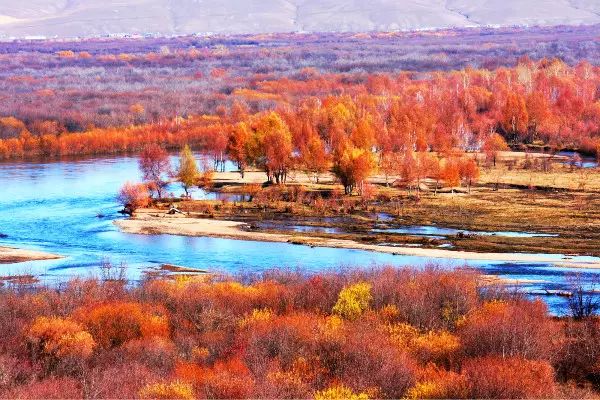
x=11, y=255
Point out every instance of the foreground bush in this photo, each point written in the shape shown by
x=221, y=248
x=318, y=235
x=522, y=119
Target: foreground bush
x=54, y=340
x=385, y=333
x=353, y=300
x=514, y=378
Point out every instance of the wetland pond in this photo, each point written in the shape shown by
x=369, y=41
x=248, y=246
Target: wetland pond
x=576, y=159
x=68, y=207
x=433, y=231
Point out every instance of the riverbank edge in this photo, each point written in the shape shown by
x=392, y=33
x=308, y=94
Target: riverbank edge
x=13, y=255
x=154, y=221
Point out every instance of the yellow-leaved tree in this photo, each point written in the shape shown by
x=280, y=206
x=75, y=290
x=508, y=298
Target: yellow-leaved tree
x=353, y=300
x=188, y=172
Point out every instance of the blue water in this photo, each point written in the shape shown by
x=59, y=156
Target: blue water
x=299, y=228
x=438, y=232
x=586, y=161
x=54, y=207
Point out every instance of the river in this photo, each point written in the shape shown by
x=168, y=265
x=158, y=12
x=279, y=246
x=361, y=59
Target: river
x=68, y=207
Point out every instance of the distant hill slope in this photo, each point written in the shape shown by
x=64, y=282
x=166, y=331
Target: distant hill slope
x=74, y=18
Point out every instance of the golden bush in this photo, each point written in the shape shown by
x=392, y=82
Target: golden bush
x=173, y=390
x=353, y=300
x=340, y=392
x=60, y=337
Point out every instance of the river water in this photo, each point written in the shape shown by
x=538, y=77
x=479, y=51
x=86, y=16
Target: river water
x=68, y=208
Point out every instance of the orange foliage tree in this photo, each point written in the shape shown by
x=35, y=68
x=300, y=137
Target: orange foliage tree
x=237, y=146
x=492, y=145
x=133, y=196
x=469, y=171
x=450, y=172
x=352, y=167
x=274, y=146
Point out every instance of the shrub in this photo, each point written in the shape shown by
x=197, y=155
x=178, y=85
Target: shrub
x=242, y=299
x=54, y=339
x=257, y=316
x=507, y=329
x=284, y=338
x=229, y=379
x=121, y=378
x=113, y=324
x=49, y=388
x=317, y=293
x=579, y=356
x=157, y=352
x=509, y=378
x=14, y=370
x=365, y=358
x=299, y=381
x=438, y=347
x=340, y=392
x=437, y=383
x=134, y=195
x=173, y=390
x=389, y=313
x=353, y=301
x=402, y=335
x=154, y=326
x=271, y=337
x=432, y=299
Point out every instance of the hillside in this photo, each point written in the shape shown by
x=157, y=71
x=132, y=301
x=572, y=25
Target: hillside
x=75, y=18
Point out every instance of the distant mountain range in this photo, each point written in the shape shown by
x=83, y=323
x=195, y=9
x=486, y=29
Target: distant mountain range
x=83, y=18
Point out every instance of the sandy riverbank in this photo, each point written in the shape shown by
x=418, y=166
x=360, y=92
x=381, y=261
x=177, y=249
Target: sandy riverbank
x=148, y=221
x=9, y=255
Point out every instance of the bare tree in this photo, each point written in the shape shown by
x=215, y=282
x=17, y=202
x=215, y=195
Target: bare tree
x=584, y=301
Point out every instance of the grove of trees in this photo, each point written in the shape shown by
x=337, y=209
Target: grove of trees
x=356, y=124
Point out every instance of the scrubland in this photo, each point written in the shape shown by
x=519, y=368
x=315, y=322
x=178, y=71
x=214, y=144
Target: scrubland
x=383, y=333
